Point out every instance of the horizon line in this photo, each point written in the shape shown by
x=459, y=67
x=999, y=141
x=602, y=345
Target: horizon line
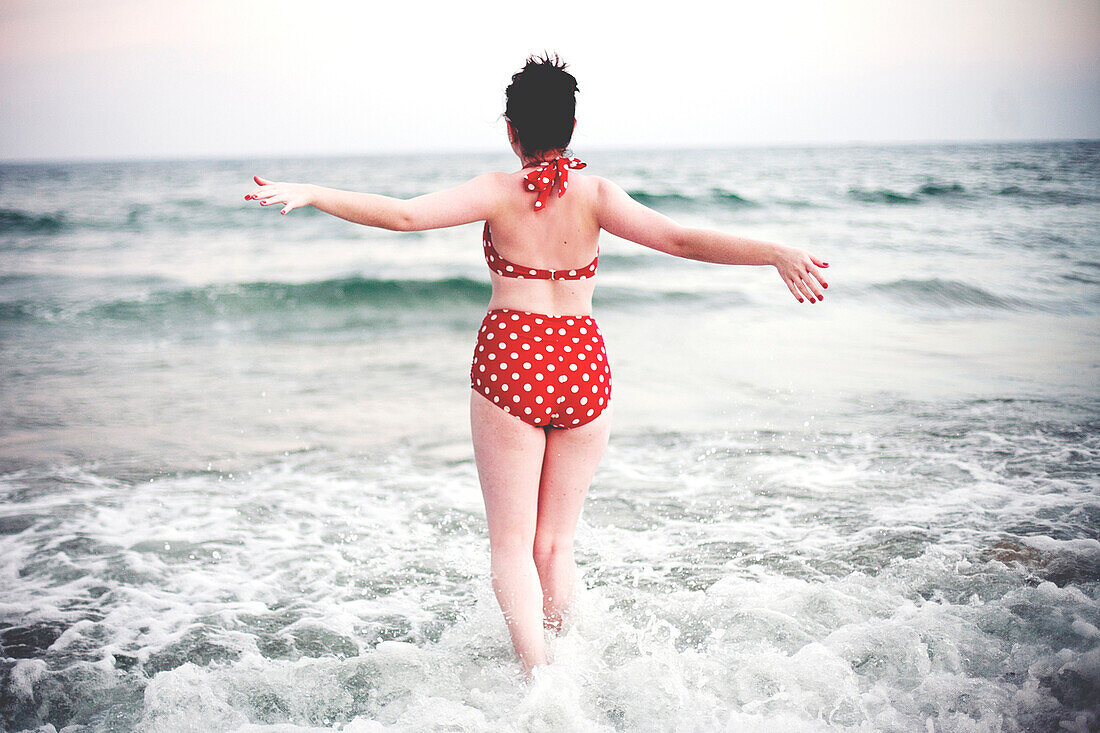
x=168, y=158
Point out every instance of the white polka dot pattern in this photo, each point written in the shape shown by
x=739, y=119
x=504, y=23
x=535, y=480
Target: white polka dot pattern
x=572, y=399
x=503, y=267
x=549, y=173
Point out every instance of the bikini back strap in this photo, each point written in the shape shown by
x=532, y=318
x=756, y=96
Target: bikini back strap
x=505, y=268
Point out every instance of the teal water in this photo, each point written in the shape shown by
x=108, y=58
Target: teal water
x=238, y=491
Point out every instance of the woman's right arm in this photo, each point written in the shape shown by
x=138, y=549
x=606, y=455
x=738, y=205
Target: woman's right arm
x=624, y=217
x=474, y=200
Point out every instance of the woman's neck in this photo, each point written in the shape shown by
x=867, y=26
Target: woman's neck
x=545, y=158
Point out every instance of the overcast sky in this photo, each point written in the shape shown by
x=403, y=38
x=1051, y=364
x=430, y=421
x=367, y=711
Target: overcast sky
x=238, y=78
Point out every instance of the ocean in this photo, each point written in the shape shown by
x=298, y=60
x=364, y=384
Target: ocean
x=238, y=491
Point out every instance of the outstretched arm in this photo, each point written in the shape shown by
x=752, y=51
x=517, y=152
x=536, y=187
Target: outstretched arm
x=472, y=201
x=624, y=217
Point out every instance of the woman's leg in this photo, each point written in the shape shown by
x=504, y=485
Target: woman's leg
x=568, y=465
x=508, y=453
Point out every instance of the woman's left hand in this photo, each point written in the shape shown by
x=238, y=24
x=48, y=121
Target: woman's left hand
x=796, y=267
x=293, y=195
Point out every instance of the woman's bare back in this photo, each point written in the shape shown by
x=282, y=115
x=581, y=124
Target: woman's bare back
x=563, y=235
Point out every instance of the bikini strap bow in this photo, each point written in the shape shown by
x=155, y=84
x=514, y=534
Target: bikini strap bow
x=548, y=173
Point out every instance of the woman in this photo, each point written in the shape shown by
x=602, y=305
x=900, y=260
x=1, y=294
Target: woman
x=540, y=381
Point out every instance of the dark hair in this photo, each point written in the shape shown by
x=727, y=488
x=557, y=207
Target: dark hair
x=542, y=104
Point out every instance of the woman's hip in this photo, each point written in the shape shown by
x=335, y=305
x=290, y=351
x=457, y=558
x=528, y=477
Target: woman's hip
x=546, y=369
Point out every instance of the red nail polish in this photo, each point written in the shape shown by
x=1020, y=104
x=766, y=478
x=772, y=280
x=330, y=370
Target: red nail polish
x=825, y=285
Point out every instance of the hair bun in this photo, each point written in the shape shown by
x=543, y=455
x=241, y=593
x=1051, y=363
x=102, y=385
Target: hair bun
x=542, y=104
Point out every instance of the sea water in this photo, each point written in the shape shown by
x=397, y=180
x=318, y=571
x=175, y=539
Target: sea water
x=238, y=490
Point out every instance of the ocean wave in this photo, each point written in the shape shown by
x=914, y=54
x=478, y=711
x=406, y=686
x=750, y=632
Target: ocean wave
x=1048, y=196
x=335, y=292
x=1022, y=165
x=715, y=197
x=455, y=295
x=18, y=310
x=945, y=190
x=175, y=216
x=945, y=293
x=381, y=298
x=796, y=203
x=730, y=198
x=1079, y=277
x=953, y=190
x=13, y=221
x=652, y=199
x=880, y=196
x=258, y=297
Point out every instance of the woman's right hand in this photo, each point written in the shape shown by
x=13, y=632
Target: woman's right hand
x=293, y=195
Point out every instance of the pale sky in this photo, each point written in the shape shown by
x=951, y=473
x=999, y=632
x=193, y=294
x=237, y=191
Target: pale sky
x=242, y=78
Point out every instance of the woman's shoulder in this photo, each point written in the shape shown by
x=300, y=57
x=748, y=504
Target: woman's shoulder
x=513, y=186
x=494, y=179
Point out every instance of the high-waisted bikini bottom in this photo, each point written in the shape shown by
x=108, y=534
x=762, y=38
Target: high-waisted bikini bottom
x=546, y=370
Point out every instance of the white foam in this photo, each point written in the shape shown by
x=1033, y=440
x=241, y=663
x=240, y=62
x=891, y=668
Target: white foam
x=727, y=582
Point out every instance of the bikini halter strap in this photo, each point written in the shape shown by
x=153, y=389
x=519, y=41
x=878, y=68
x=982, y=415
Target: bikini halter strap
x=551, y=172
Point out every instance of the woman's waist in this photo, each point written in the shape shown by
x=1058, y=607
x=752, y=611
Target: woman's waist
x=527, y=314
x=550, y=307
x=519, y=330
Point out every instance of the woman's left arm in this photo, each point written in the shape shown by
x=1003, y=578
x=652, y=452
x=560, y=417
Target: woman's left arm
x=624, y=217
x=474, y=200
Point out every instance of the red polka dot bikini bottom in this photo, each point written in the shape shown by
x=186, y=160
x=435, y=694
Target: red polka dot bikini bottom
x=545, y=370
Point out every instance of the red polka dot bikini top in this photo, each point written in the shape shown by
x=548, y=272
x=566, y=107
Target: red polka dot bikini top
x=542, y=179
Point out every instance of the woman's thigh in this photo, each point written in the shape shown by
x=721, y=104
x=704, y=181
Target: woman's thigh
x=509, y=454
x=569, y=463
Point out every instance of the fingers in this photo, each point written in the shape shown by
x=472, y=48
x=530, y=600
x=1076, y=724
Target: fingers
x=264, y=192
x=805, y=290
x=813, y=287
x=817, y=273
x=256, y=193
x=292, y=205
x=799, y=271
x=268, y=195
x=790, y=286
